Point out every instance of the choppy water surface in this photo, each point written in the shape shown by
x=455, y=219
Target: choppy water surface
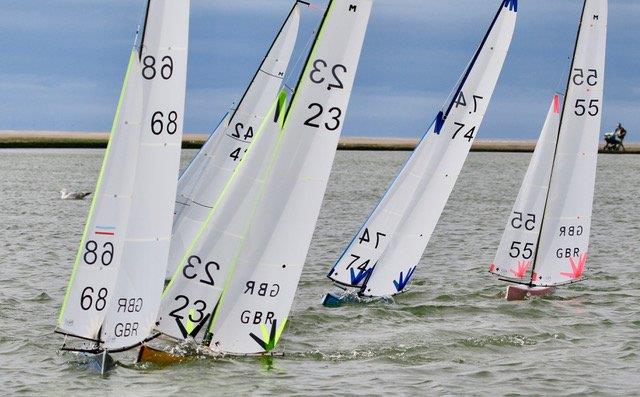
x=452, y=333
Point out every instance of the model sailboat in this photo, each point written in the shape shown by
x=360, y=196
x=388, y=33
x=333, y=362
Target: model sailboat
x=237, y=280
x=383, y=256
x=545, y=243
x=114, y=292
x=205, y=178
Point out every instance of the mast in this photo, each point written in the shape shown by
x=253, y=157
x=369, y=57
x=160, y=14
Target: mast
x=267, y=54
x=144, y=29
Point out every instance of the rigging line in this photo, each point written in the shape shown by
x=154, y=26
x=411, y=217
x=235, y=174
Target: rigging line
x=144, y=28
x=555, y=153
x=307, y=63
x=296, y=64
x=264, y=59
x=465, y=76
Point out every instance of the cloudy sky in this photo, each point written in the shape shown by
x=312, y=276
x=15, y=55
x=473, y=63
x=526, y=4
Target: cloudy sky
x=63, y=61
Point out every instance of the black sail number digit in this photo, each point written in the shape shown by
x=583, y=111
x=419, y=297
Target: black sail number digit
x=318, y=110
x=97, y=301
x=582, y=108
x=518, y=221
x=335, y=113
x=149, y=71
x=469, y=134
x=317, y=70
x=158, y=125
x=334, y=72
x=189, y=270
x=242, y=134
x=310, y=121
x=317, y=77
x=92, y=253
x=185, y=302
x=591, y=77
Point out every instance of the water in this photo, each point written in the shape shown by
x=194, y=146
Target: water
x=452, y=333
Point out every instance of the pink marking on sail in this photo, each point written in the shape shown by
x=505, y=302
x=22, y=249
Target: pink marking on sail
x=556, y=104
x=534, y=276
x=576, y=268
x=521, y=271
x=492, y=268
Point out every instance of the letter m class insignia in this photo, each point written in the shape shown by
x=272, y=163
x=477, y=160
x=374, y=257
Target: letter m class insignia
x=353, y=7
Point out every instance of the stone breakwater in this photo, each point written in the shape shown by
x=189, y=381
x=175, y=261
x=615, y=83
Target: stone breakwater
x=97, y=140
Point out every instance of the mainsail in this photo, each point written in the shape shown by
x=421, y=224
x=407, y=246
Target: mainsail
x=255, y=307
x=115, y=287
x=249, y=255
x=383, y=256
x=558, y=255
x=215, y=163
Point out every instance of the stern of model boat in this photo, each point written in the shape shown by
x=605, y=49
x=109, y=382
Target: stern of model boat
x=522, y=292
x=158, y=357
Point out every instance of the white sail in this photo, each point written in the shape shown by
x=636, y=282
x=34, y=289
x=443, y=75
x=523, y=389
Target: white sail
x=133, y=307
x=255, y=306
x=99, y=255
x=190, y=298
x=192, y=173
x=566, y=226
x=384, y=255
x=228, y=147
x=515, y=254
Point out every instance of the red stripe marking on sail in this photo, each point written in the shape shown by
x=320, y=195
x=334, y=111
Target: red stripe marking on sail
x=106, y=233
x=556, y=104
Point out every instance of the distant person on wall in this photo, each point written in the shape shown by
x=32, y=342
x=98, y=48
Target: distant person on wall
x=615, y=139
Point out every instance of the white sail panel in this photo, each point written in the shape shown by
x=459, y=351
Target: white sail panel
x=193, y=171
x=132, y=312
x=191, y=296
x=255, y=307
x=564, y=240
x=228, y=147
x=415, y=201
x=514, y=258
x=99, y=255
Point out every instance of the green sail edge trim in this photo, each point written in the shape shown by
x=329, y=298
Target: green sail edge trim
x=105, y=160
x=222, y=195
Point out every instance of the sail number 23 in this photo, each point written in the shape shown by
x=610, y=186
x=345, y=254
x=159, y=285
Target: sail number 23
x=321, y=74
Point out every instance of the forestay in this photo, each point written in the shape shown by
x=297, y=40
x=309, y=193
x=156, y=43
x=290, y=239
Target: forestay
x=226, y=148
x=566, y=226
x=384, y=254
x=255, y=307
x=514, y=258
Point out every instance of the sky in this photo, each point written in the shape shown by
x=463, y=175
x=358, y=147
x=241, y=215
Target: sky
x=63, y=62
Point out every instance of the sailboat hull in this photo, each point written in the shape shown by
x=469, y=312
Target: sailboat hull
x=521, y=292
x=158, y=357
